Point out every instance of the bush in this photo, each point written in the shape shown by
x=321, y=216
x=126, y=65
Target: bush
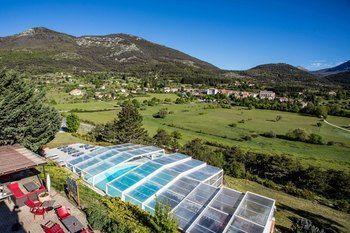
x=298, y=135
x=241, y=121
x=303, y=225
x=269, y=134
x=321, y=111
x=233, y=125
x=161, y=114
x=247, y=138
x=236, y=170
x=176, y=134
x=318, y=124
x=278, y=118
x=163, y=219
x=316, y=139
x=72, y=122
x=330, y=143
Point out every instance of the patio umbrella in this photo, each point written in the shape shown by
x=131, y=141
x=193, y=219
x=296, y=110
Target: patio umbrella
x=48, y=183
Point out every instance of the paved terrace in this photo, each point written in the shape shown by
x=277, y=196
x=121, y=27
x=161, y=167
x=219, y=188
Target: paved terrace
x=9, y=216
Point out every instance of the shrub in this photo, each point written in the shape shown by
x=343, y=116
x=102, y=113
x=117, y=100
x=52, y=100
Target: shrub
x=162, y=138
x=176, y=134
x=241, y=121
x=161, y=114
x=269, y=134
x=298, y=135
x=316, y=139
x=233, y=125
x=278, y=118
x=236, y=170
x=247, y=138
x=164, y=220
x=321, y=111
x=330, y=143
x=303, y=225
x=318, y=124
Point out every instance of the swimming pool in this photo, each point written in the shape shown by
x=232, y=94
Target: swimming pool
x=145, y=176
x=108, y=177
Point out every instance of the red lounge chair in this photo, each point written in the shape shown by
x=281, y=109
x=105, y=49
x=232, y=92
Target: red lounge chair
x=15, y=190
x=63, y=212
x=38, y=211
x=51, y=227
x=18, y=197
x=32, y=204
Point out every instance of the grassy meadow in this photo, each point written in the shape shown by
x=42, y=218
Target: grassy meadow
x=196, y=120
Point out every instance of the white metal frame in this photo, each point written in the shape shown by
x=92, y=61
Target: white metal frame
x=240, y=204
x=173, y=181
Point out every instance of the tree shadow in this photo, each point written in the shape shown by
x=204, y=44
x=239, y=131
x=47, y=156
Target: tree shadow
x=12, y=222
x=327, y=224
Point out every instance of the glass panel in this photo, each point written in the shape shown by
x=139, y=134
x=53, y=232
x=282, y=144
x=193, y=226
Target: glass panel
x=241, y=224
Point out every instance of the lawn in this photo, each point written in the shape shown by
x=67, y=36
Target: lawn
x=289, y=207
x=103, y=105
x=194, y=121
x=63, y=138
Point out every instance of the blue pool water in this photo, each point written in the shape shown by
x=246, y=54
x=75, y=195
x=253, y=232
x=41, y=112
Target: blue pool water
x=102, y=185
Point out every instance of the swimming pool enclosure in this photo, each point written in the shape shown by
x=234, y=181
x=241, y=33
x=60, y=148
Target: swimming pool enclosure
x=193, y=189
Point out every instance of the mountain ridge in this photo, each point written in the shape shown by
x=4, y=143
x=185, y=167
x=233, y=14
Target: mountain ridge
x=280, y=72
x=109, y=52
x=343, y=67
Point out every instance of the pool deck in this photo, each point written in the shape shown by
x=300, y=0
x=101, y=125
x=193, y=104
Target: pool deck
x=10, y=216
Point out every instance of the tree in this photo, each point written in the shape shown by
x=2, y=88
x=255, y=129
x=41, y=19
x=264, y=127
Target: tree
x=176, y=135
x=25, y=118
x=163, y=218
x=302, y=225
x=162, y=138
x=316, y=139
x=73, y=123
x=298, y=135
x=200, y=151
x=136, y=103
x=321, y=111
x=128, y=126
x=161, y=113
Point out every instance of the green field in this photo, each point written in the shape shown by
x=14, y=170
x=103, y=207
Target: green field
x=213, y=126
x=288, y=207
x=102, y=105
x=64, y=139
x=194, y=121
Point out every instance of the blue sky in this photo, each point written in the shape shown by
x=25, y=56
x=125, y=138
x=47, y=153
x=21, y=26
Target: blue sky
x=230, y=34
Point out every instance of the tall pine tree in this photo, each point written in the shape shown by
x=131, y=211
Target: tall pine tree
x=126, y=128
x=24, y=117
x=129, y=125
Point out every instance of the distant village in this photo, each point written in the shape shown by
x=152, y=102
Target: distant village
x=196, y=92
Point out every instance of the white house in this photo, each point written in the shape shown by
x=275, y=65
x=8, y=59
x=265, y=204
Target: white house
x=212, y=91
x=76, y=92
x=270, y=95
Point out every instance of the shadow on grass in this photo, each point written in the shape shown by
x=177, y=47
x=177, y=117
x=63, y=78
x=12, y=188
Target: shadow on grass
x=327, y=224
